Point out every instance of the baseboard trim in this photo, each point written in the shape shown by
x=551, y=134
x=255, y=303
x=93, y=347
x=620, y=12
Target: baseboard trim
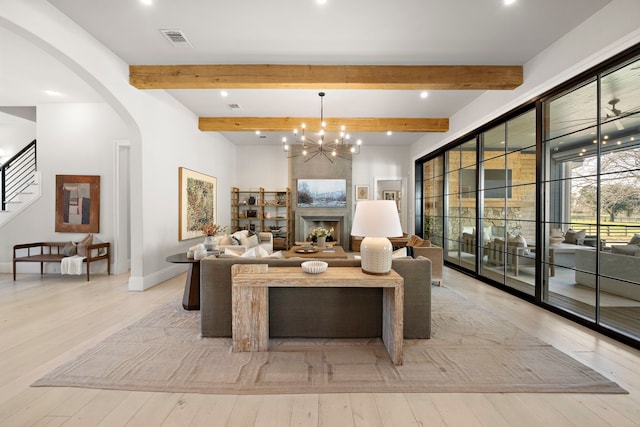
x=140, y=284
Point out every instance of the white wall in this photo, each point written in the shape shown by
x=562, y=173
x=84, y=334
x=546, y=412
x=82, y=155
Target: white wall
x=73, y=139
x=15, y=133
x=263, y=166
x=162, y=133
x=384, y=163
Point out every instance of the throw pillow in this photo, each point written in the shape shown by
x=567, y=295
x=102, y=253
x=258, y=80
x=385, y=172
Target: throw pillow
x=260, y=252
x=99, y=251
x=635, y=240
x=70, y=249
x=573, y=236
x=518, y=241
x=275, y=255
x=224, y=240
x=82, y=245
x=251, y=253
x=242, y=237
x=252, y=241
x=402, y=252
x=231, y=252
x=414, y=241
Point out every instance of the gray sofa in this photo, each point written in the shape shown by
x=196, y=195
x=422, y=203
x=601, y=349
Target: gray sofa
x=618, y=272
x=326, y=312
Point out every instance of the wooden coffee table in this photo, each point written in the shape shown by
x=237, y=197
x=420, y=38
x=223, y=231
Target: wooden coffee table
x=335, y=252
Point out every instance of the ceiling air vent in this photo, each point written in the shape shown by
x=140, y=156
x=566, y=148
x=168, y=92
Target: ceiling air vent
x=176, y=37
x=233, y=106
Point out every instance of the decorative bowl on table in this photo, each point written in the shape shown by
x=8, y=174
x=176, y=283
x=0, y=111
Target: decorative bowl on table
x=314, y=267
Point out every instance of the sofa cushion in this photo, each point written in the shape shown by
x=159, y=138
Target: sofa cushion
x=574, y=237
x=631, y=250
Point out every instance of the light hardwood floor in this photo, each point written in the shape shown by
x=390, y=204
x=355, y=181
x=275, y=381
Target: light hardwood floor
x=46, y=321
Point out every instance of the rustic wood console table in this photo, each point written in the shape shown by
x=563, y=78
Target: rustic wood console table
x=250, y=301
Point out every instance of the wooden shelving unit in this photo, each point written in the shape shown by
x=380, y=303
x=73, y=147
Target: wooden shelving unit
x=265, y=211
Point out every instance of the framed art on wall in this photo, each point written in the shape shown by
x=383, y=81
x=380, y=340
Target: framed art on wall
x=322, y=193
x=196, y=203
x=389, y=195
x=77, y=203
x=362, y=192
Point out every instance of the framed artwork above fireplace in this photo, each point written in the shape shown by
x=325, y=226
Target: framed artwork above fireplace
x=322, y=193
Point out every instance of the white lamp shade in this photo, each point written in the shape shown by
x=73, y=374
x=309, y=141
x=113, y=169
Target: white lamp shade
x=376, y=218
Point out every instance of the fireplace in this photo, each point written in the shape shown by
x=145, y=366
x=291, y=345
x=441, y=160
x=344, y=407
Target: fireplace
x=307, y=222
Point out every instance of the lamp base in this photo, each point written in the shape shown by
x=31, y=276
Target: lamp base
x=375, y=255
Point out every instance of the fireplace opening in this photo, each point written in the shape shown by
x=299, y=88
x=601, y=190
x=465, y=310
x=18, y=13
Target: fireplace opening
x=335, y=235
x=306, y=223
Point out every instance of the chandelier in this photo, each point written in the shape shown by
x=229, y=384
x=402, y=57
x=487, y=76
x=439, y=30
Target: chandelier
x=321, y=145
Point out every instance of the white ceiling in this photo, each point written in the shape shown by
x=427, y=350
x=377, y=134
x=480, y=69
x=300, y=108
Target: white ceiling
x=376, y=32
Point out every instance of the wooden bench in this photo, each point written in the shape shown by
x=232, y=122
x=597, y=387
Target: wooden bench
x=52, y=252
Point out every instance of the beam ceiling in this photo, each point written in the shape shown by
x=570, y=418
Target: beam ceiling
x=369, y=77
x=287, y=124
x=363, y=77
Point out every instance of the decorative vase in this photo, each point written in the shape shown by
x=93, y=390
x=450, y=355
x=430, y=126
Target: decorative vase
x=209, y=243
x=322, y=241
x=200, y=253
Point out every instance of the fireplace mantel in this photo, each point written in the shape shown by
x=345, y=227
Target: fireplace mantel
x=306, y=220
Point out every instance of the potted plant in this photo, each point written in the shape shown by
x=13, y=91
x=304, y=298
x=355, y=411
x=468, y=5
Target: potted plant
x=320, y=234
x=210, y=230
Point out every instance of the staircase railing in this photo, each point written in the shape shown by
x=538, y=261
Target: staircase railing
x=18, y=173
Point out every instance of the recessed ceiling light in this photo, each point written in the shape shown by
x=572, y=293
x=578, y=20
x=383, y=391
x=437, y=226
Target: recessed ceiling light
x=424, y=94
x=224, y=93
x=147, y=2
x=321, y=1
x=509, y=2
x=53, y=92
x=389, y=133
x=257, y=132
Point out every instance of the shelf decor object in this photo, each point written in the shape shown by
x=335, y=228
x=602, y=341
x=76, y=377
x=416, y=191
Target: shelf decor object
x=263, y=211
x=376, y=220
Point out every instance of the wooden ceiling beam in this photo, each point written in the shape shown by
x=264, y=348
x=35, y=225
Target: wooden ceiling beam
x=287, y=124
x=369, y=77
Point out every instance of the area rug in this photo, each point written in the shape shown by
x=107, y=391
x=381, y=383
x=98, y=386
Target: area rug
x=471, y=350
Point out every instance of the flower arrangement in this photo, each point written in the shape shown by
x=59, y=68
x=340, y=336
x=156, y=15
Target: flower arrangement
x=211, y=229
x=321, y=232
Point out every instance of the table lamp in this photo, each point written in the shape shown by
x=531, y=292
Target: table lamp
x=375, y=220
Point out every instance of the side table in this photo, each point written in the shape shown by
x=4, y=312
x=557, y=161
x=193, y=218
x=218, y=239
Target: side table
x=191, y=297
